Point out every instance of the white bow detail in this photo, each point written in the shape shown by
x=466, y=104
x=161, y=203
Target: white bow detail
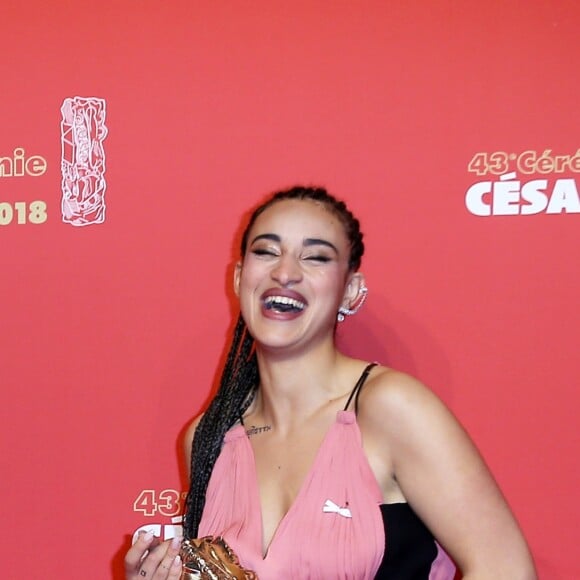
x=331, y=507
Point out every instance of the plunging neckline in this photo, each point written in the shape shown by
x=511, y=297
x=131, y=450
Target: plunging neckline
x=342, y=416
x=315, y=525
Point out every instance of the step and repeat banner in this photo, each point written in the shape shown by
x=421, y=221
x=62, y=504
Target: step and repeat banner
x=135, y=137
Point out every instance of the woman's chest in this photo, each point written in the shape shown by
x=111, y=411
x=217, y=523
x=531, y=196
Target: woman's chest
x=323, y=521
x=283, y=466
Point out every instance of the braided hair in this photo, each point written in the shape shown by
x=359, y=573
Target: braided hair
x=240, y=376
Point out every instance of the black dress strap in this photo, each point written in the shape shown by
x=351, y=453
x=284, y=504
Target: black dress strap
x=357, y=388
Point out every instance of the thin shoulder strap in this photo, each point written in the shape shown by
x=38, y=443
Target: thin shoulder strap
x=357, y=388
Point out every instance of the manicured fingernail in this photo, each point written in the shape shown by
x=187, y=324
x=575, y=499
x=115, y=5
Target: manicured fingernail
x=175, y=542
x=148, y=536
x=177, y=562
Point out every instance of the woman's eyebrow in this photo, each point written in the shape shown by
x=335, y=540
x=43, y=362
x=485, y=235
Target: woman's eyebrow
x=271, y=237
x=319, y=242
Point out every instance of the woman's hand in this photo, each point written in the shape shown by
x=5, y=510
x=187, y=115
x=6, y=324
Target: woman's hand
x=148, y=559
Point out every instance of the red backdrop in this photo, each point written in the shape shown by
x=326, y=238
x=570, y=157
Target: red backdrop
x=452, y=129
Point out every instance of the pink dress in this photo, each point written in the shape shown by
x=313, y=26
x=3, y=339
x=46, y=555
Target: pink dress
x=333, y=531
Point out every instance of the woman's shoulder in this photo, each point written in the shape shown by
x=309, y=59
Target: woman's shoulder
x=394, y=399
x=388, y=386
x=188, y=439
x=190, y=431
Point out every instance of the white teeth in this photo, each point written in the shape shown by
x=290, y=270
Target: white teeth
x=285, y=300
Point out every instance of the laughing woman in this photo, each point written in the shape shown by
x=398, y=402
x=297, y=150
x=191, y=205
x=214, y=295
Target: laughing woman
x=315, y=465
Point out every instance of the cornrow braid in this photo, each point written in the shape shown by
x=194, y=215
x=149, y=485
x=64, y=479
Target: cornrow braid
x=240, y=377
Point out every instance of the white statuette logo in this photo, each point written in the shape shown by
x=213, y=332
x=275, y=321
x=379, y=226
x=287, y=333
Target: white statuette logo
x=332, y=508
x=83, y=160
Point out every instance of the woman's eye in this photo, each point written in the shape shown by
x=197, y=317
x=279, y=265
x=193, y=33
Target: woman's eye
x=318, y=258
x=263, y=252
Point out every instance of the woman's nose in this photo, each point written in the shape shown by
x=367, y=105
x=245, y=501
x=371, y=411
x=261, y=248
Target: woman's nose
x=287, y=271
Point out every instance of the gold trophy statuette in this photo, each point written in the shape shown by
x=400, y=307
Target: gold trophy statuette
x=210, y=558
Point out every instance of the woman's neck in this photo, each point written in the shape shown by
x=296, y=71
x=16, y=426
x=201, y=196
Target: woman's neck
x=293, y=388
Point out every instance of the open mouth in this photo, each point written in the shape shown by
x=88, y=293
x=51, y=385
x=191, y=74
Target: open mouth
x=283, y=304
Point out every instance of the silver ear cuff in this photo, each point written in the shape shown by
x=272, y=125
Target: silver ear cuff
x=343, y=311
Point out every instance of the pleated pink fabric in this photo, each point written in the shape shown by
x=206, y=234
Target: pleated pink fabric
x=442, y=567
x=309, y=542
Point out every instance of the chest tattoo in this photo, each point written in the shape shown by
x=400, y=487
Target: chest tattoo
x=253, y=430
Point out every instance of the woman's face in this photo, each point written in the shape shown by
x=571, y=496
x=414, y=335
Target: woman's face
x=295, y=275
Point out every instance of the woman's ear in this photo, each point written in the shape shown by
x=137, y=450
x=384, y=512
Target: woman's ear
x=237, y=275
x=353, y=290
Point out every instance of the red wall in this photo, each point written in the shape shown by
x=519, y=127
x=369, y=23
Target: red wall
x=111, y=333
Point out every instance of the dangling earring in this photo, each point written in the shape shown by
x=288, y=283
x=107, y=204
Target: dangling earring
x=343, y=311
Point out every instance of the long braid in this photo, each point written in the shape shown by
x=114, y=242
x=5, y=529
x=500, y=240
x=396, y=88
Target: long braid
x=239, y=379
x=240, y=376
